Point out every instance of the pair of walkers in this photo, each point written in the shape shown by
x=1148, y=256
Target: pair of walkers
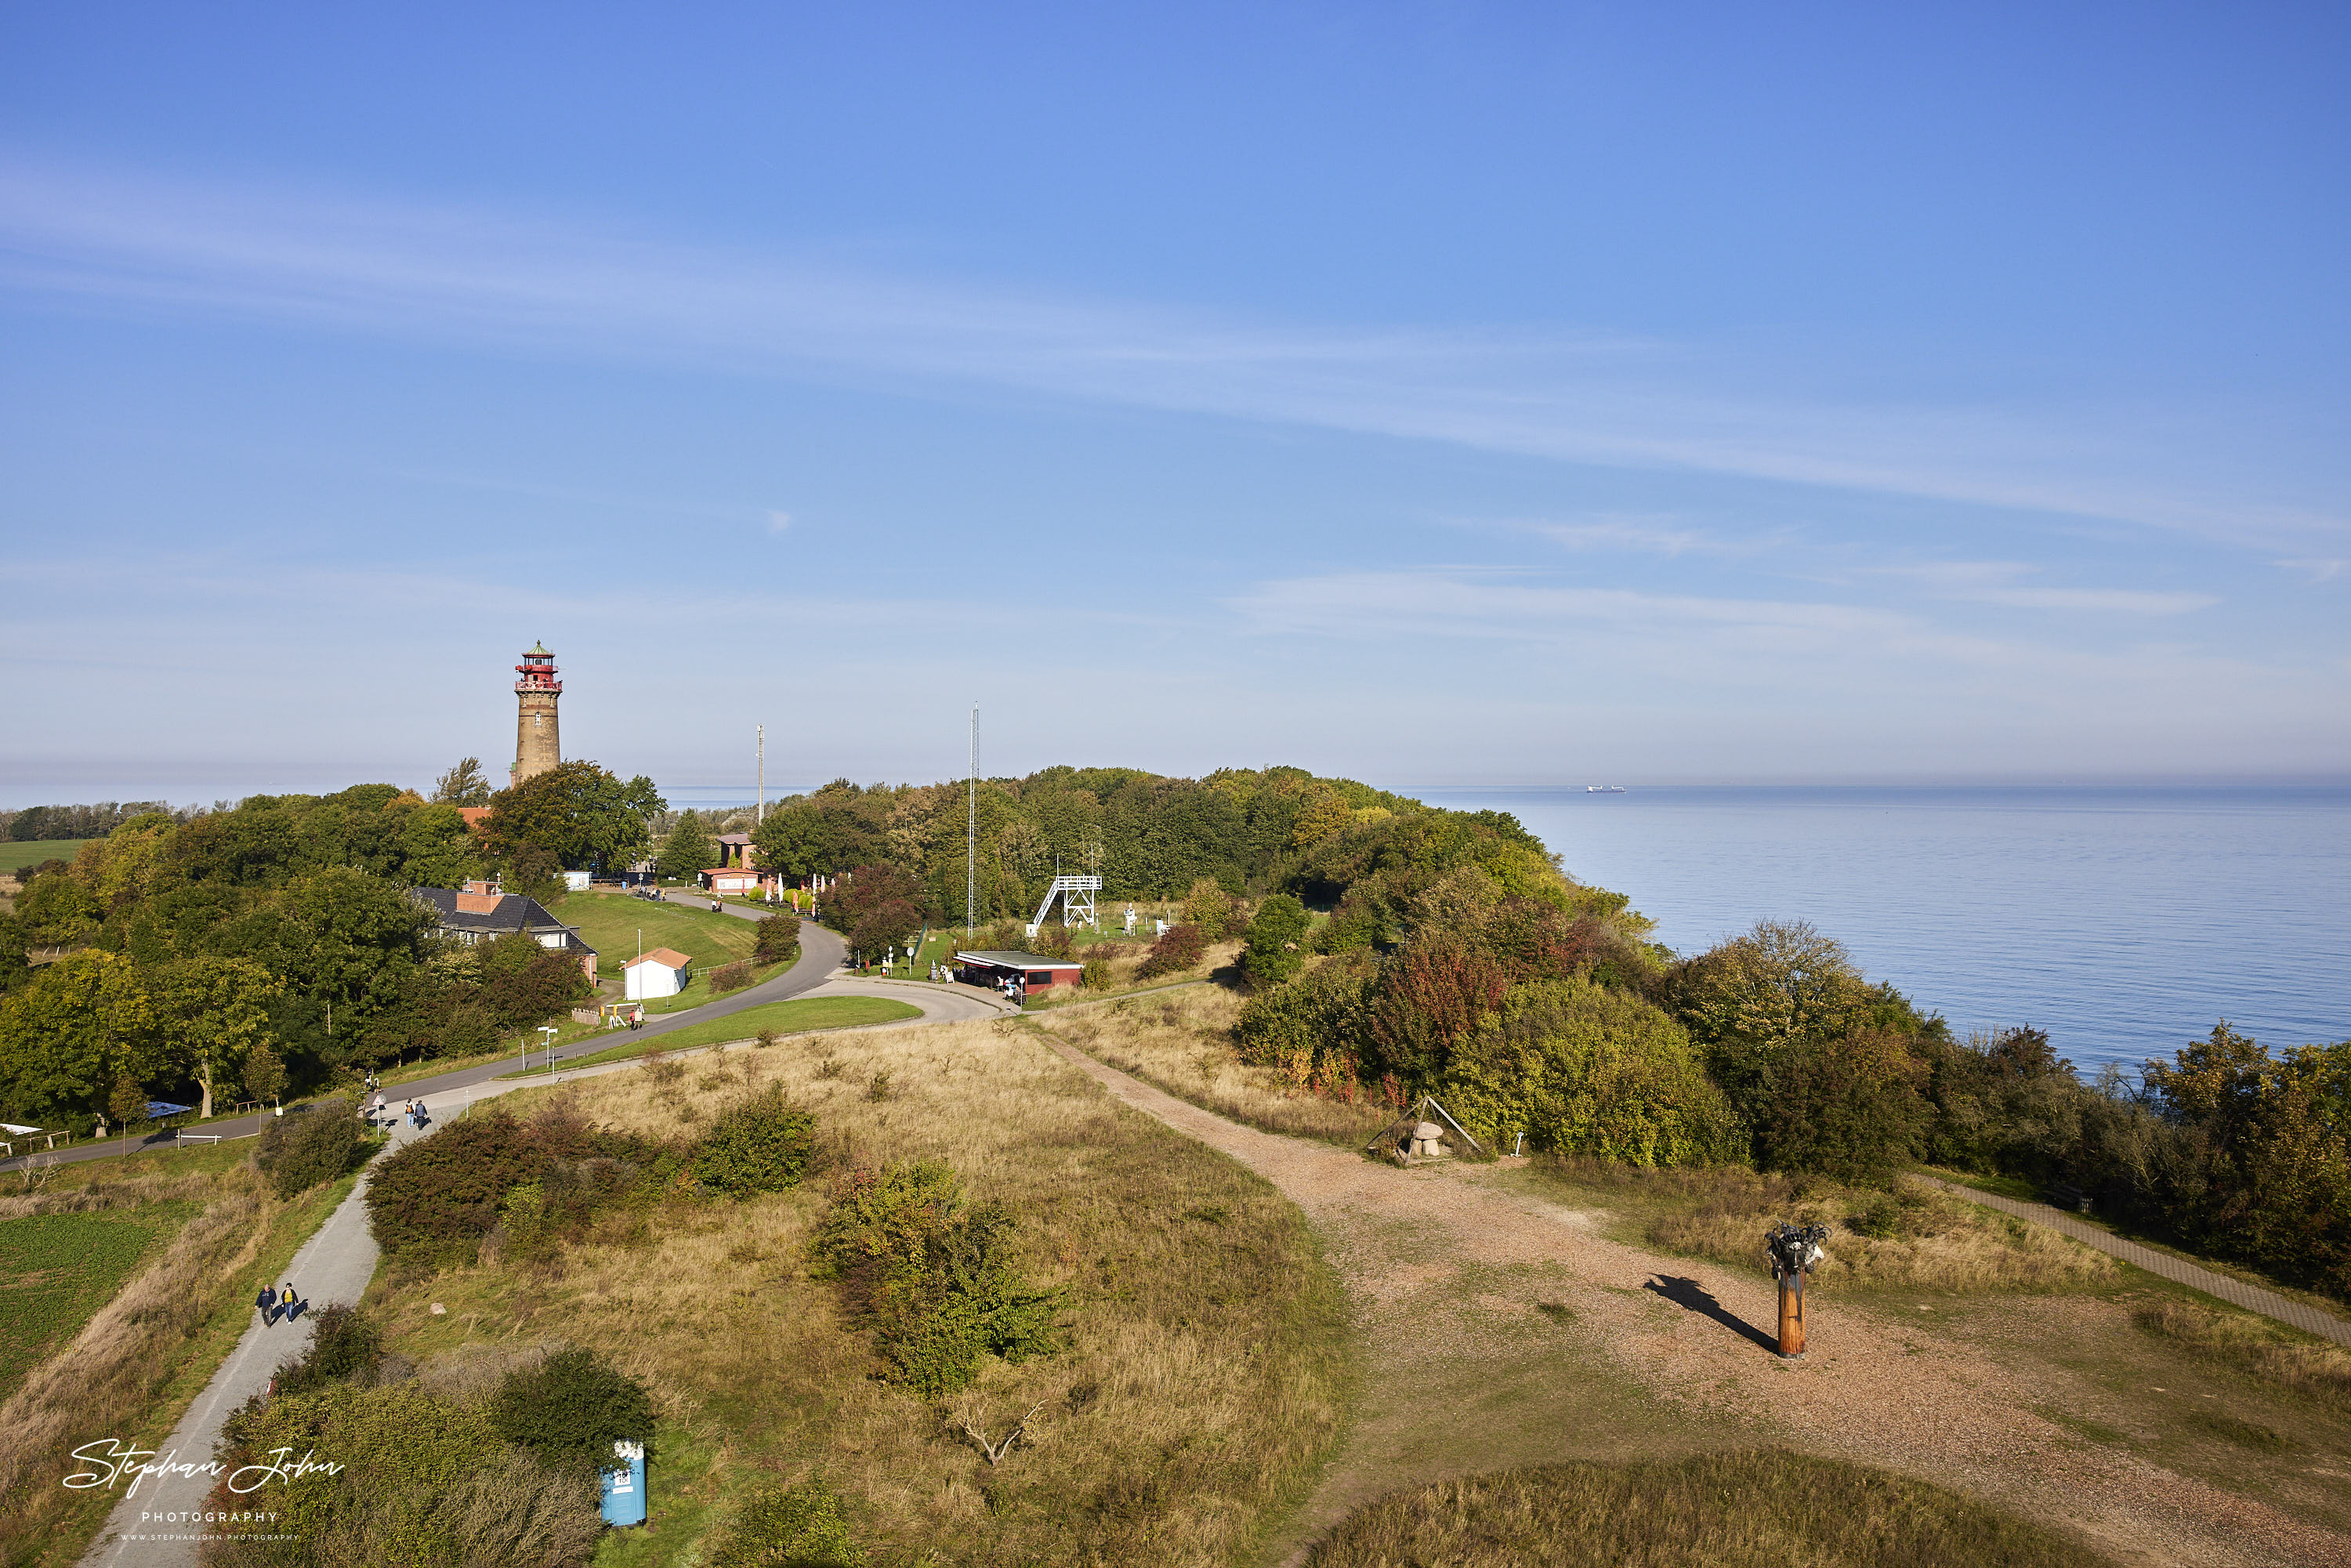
x=279, y=1303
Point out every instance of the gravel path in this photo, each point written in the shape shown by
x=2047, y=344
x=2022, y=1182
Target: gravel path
x=1461, y=1283
x=2252, y=1297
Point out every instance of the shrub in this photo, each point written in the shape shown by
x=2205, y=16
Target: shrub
x=1179, y=948
x=1847, y=1107
x=760, y=1143
x=1312, y=1028
x=1277, y=942
x=729, y=977
x=931, y=1274
x=779, y=939
x=1584, y=1069
x=570, y=1409
x=1357, y=921
x=523, y=982
x=436, y=1198
x=1095, y=975
x=344, y=1346
x=423, y=1481
x=1212, y=909
x=1430, y=999
x=300, y=1151
x=794, y=1527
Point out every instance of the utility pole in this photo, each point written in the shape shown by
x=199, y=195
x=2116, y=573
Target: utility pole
x=762, y=815
x=971, y=836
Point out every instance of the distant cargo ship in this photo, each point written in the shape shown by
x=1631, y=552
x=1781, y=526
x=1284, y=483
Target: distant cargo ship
x=1603, y=788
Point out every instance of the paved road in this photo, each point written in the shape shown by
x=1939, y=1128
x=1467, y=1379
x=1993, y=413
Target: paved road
x=821, y=953
x=2252, y=1297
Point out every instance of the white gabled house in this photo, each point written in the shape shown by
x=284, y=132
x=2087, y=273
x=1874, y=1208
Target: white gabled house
x=664, y=972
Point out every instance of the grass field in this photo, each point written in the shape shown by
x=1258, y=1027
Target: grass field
x=613, y=923
x=14, y=855
x=801, y=1014
x=1711, y=1510
x=1203, y=1368
x=55, y=1272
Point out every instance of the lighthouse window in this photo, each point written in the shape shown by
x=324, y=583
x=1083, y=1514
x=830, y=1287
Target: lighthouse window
x=537, y=719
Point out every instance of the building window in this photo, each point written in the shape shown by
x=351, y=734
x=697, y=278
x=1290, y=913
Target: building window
x=1040, y=976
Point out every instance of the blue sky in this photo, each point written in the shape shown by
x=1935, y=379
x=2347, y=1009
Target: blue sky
x=1431, y=393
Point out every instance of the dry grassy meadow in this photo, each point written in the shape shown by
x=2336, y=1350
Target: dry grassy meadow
x=1182, y=1040
x=1202, y=1376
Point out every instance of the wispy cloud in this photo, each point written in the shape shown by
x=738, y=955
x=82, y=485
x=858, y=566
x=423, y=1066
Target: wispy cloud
x=2007, y=583
x=499, y=282
x=779, y=522
x=2318, y=570
x=1634, y=533
x=1463, y=603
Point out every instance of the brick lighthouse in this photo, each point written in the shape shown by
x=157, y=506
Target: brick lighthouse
x=537, y=746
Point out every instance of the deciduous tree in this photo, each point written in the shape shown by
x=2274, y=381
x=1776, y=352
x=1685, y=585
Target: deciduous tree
x=212, y=1013
x=578, y=813
x=464, y=785
x=77, y=1026
x=688, y=849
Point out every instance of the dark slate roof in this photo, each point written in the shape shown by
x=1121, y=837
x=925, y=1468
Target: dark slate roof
x=515, y=912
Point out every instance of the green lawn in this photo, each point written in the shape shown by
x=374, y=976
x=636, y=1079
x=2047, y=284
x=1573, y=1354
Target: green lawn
x=13, y=855
x=614, y=924
x=802, y=1015
x=55, y=1270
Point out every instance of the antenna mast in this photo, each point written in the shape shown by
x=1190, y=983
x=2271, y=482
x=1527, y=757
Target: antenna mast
x=971, y=836
x=762, y=815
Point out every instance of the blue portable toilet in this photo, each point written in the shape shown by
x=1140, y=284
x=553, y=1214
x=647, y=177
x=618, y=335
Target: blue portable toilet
x=625, y=1485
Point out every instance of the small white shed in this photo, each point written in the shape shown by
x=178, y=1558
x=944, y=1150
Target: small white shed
x=664, y=972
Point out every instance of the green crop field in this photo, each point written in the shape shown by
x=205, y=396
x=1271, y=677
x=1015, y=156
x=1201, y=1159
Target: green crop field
x=55, y=1270
x=14, y=855
x=801, y=1015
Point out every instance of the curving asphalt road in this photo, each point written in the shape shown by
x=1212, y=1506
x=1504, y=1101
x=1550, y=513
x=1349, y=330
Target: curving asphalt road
x=821, y=953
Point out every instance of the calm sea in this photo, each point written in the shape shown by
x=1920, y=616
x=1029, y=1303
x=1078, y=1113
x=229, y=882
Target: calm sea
x=2124, y=921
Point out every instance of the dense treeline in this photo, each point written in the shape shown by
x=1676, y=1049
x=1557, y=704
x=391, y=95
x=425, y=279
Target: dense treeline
x=1151, y=837
x=238, y=953
x=38, y=824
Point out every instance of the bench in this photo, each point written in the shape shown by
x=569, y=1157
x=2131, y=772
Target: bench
x=181, y=1134
x=2067, y=1197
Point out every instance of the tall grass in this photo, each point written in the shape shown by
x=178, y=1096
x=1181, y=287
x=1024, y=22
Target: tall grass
x=1910, y=1236
x=1754, y=1509
x=1201, y=1377
x=1183, y=1042
x=2255, y=1347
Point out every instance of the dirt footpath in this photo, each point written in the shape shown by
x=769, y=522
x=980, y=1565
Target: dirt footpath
x=1504, y=1329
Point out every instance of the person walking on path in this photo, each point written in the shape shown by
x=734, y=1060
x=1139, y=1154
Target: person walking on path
x=289, y=1303
x=266, y=1300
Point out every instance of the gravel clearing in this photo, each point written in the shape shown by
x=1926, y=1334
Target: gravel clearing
x=1451, y=1272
